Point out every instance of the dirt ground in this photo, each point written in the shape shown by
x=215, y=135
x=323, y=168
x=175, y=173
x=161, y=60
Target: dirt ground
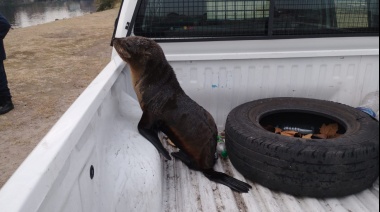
x=48, y=67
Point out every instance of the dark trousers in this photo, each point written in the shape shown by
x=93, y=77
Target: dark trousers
x=4, y=90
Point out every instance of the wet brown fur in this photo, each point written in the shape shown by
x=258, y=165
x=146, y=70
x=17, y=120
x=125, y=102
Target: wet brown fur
x=167, y=108
x=187, y=124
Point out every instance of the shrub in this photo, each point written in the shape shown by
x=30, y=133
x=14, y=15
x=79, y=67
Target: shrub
x=106, y=4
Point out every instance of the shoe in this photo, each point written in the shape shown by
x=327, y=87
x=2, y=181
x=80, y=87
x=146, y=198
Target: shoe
x=6, y=106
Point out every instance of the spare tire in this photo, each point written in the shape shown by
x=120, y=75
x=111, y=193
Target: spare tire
x=304, y=167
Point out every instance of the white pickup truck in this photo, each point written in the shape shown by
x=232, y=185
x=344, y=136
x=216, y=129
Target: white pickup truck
x=224, y=53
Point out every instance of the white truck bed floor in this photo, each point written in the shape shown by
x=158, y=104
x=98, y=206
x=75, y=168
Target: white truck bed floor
x=188, y=190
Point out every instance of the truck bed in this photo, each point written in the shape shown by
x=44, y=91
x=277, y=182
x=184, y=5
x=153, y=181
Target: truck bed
x=95, y=160
x=187, y=190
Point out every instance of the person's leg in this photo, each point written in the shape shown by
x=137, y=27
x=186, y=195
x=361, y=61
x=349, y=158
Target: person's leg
x=6, y=104
x=4, y=90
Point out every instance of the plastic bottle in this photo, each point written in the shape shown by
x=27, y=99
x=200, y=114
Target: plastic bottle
x=370, y=104
x=221, y=148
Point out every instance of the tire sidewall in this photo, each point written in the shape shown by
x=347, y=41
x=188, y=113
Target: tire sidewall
x=245, y=137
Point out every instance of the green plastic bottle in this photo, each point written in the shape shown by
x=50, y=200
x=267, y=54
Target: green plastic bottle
x=221, y=148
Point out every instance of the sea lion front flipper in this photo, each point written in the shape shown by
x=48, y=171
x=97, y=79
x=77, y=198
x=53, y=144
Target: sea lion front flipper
x=146, y=129
x=226, y=180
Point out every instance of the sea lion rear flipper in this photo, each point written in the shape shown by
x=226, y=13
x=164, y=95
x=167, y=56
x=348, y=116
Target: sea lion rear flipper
x=146, y=129
x=226, y=180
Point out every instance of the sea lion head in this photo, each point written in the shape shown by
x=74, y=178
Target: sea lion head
x=139, y=51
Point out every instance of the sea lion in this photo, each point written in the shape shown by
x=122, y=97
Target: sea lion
x=168, y=109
